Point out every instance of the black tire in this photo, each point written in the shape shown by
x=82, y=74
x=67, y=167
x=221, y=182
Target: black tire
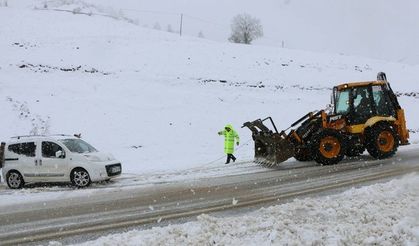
x=354, y=151
x=354, y=146
x=80, y=178
x=382, y=141
x=14, y=180
x=328, y=147
x=303, y=154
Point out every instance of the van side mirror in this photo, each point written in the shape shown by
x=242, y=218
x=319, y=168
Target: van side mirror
x=60, y=154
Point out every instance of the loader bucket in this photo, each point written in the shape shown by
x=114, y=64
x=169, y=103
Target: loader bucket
x=271, y=148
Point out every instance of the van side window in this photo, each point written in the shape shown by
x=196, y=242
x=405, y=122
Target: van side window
x=27, y=149
x=49, y=149
x=14, y=148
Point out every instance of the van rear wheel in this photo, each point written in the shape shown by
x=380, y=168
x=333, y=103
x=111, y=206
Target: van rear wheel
x=80, y=178
x=15, y=180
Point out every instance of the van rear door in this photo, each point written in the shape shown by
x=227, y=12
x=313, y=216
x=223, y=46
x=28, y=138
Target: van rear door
x=22, y=157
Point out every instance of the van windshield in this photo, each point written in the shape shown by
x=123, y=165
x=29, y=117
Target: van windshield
x=78, y=145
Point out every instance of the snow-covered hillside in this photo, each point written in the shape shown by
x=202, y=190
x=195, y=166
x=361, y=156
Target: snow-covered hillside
x=156, y=100
x=382, y=29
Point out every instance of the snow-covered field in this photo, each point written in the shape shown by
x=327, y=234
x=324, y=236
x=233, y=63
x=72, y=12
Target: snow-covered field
x=156, y=101
x=380, y=214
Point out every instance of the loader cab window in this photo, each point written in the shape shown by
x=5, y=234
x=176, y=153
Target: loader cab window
x=342, y=105
x=362, y=102
x=382, y=102
x=362, y=105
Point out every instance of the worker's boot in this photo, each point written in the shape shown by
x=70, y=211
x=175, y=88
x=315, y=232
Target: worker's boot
x=228, y=159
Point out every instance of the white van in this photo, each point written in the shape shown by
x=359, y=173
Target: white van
x=56, y=158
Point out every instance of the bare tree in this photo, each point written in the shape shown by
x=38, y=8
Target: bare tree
x=245, y=29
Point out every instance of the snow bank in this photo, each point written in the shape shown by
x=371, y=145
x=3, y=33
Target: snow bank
x=380, y=214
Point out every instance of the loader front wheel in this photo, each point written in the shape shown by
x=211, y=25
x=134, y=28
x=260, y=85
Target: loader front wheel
x=303, y=154
x=382, y=142
x=328, y=147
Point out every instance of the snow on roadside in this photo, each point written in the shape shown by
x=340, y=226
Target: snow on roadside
x=380, y=214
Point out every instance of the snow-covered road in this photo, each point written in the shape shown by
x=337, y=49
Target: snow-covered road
x=104, y=208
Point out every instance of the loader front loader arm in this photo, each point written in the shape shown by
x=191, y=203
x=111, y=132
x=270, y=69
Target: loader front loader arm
x=273, y=147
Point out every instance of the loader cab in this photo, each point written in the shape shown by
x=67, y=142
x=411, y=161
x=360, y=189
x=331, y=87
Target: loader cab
x=358, y=102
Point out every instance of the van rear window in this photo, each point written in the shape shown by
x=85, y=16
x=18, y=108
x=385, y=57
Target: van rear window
x=27, y=149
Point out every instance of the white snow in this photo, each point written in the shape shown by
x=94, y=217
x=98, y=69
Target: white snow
x=156, y=101
x=380, y=214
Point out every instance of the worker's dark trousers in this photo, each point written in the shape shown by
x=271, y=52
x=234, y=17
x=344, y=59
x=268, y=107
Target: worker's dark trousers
x=229, y=157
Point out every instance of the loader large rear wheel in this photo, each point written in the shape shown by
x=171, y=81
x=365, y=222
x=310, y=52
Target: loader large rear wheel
x=328, y=147
x=382, y=141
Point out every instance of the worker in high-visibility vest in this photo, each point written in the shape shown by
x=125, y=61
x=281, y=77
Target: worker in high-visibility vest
x=230, y=137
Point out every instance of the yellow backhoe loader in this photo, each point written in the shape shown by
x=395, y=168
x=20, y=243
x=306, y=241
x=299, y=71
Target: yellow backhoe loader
x=363, y=115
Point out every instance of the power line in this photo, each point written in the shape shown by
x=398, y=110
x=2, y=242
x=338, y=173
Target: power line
x=152, y=11
x=182, y=17
x=175, y=13
x=203, y=20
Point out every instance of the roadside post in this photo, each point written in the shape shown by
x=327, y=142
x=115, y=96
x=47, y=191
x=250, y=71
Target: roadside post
x=3, y=144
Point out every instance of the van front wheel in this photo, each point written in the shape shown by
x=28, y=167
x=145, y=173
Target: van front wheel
x=80, y=178
x=14, y=180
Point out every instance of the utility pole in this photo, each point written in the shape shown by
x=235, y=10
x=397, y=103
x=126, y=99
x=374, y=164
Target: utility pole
x=181, y=24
